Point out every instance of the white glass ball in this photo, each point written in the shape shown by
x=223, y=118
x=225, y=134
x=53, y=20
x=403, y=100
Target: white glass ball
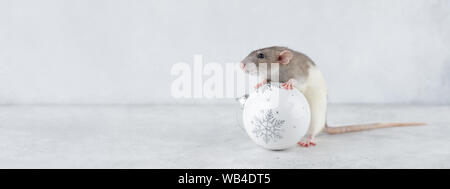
x=276, y=118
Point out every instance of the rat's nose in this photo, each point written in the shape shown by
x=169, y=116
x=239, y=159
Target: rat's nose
x=242, y=65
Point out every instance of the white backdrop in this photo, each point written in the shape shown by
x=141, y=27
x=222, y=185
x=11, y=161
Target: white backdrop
x=121, y=51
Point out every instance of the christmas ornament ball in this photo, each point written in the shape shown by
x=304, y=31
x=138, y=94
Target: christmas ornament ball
x=276, y=118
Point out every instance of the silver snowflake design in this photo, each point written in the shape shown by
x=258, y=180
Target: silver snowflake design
x=267, y=126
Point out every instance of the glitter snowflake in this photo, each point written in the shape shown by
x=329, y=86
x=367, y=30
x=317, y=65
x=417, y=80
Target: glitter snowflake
x=267, y=126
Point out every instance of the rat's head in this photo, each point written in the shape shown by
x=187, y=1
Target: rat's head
x=267, y=56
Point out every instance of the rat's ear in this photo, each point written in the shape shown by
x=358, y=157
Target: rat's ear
x=285, y=57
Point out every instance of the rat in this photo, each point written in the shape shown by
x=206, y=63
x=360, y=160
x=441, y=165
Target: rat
x=296, y=70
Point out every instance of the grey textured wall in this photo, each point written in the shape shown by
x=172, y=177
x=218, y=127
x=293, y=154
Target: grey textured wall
x=121, y=51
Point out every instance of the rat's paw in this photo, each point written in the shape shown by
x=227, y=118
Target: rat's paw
x=258, y=85
x=289, y=85
x=307, y=142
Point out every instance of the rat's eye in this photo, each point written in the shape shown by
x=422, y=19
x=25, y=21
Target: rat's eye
x=260, y=55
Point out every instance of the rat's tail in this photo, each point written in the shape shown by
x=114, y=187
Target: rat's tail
x=363, y=127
